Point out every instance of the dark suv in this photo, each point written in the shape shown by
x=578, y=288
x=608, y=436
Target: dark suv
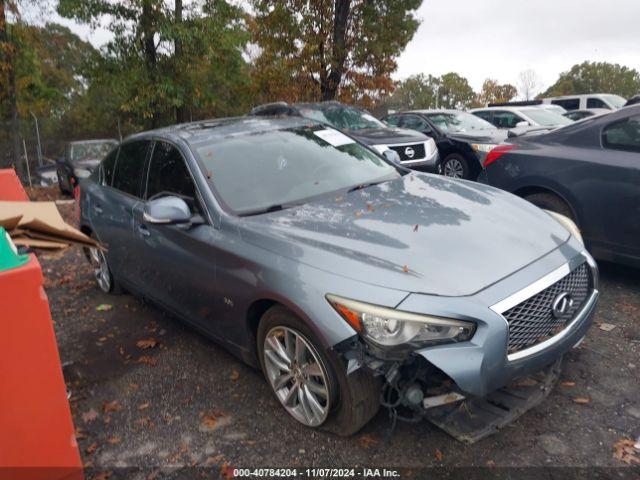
x=416, y=150
x=79, y=160
x=462, y=139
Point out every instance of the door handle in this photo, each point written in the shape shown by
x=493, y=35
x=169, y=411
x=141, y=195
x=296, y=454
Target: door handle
x=144, y=231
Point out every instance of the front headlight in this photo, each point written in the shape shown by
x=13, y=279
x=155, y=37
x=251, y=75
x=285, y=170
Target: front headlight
x=81, y=172
x=567, y=223
x=483, y=147
x=388, y=327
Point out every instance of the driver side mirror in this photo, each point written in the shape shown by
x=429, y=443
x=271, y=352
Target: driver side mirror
x=392, y=156
x=168, y=210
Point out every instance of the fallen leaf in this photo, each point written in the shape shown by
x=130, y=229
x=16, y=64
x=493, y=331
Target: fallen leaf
x=226, y=471
x=370, y=207
x=405, y=269
x=568, y=383
x=89, y=416
x=415, y=228
x=104, y=307
x=148, y=360
x=146, y=343
x=625, y=451
x=339, y=199
x=234, y=375
x=490, y=463
x=606, y=327
x=526, y=382
x=358, y=214
x=91, y=448
x=143, y=406
x=102, y=339
x=210, y=420
x=367, y=441
x=581, y=400
x=438, y=455
x=111, y=406
x=79, y=434
x=101, y=475
x=114, y=440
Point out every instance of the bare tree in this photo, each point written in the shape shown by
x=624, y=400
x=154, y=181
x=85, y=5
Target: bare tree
x=528, y=84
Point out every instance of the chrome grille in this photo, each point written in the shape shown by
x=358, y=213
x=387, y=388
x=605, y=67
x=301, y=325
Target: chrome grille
x=532, y=321
x=417, y=149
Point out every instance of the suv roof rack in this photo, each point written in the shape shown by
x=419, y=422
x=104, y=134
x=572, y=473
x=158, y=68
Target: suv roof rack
x=522, y=103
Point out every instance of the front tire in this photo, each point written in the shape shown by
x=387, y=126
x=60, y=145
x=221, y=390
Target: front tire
x=101, y=271
x=549, y=201
x=310, y=382
x=455, y=166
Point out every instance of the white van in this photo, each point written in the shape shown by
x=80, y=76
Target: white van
x=591, y=100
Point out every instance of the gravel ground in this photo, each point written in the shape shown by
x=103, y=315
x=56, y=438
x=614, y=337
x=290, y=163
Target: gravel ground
x=183, y=401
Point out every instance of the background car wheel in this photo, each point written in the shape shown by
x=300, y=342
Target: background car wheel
x=455, y=166
x=101, y=271
x=310, y=383
x=549, y=201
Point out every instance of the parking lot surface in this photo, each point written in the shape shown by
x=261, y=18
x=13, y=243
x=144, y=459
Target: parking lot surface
x=148, y=391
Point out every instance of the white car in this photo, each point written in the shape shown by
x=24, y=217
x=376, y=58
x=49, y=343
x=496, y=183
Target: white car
x=516, y=117
x=592, y=100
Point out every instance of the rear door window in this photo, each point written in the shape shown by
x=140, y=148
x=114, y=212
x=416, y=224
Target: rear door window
x=568, y=103
x=484, y=115
x=129, y=167
x=392, y=120
x=169, y=175
x=623, y=135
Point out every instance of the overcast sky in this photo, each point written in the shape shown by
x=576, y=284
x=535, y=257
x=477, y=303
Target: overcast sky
x=501, y=38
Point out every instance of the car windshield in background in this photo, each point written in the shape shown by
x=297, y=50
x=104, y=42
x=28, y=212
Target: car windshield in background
x=547, y=118
x=90, y=150
x=616, y=100
x=344, y=118
x=256, y=173
x=459, y=122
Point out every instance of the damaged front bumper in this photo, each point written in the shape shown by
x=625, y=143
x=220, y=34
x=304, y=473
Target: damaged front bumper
x=478, y=380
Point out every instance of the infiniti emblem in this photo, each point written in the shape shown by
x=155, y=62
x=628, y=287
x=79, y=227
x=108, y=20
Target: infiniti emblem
x=409, y=152
x=561, y=304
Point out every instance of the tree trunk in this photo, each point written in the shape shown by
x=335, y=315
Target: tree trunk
x=150, y=57
x=181, y=110
x=7, y=56
x=339, y=50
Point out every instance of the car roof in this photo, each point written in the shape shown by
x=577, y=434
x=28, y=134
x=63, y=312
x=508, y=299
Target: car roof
x=93, y=140
x=433, y=110
x=218, y=129
x=516, y=109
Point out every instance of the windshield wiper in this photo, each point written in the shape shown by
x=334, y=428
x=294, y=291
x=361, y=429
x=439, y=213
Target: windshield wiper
x=271, y=208
x=364, y=185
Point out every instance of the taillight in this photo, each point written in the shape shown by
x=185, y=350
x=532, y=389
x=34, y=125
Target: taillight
x=496, y=153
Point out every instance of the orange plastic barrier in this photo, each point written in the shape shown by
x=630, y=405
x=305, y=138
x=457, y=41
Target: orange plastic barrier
x=10, y=187
x=37, y=440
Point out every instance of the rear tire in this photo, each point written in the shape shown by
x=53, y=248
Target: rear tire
x=549, y=201
x=351, y=400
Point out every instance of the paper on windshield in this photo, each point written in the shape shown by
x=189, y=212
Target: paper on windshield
x=334, y=137
x=369, y=117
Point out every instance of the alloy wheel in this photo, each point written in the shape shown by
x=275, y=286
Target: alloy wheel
x=100, y=269
x=453, y=168
x=297, y=375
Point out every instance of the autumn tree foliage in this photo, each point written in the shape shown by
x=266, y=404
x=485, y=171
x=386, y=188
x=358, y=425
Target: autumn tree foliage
x=494, y=92
x=596, y=77
x=329, y=49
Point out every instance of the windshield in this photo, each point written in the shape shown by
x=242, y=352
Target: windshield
x=459, y=122
x=342, y=117
x=91, y=150
x=546, y=118
x=615, y=101
x=254, y=173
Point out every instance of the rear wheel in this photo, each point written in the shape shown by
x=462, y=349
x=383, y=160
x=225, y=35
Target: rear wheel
x=311, y=383
x=455, y=166
x=549, y=201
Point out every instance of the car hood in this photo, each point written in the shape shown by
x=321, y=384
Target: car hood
x=483, y=136
x=387, y=136
x=419, y=233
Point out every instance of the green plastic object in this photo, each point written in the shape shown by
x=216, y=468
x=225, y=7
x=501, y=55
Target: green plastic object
x=9, y=256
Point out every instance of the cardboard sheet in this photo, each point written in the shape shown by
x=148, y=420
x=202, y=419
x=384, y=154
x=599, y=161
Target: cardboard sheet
x=40, y=225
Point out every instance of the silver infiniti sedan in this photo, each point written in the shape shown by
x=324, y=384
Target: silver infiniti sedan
x=350, y=281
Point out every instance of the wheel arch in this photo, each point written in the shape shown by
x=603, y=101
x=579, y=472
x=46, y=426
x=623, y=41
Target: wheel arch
x=523, y=192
